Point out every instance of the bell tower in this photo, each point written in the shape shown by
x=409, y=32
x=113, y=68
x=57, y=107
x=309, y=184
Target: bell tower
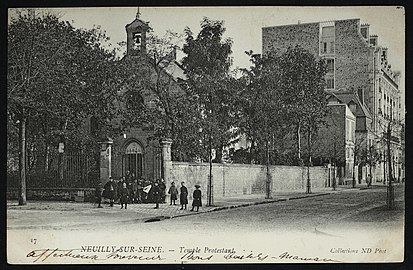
x=136, y=36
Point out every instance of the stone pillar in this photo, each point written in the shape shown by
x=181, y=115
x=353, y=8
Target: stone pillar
x=166, y=159
x=105, y=160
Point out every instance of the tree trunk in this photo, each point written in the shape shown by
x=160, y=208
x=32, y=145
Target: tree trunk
x=210, y=186
x=299, y=141
x=354, y=168
x=46, y=156
x=22, y=158
x=268, y=180
x=308, y=191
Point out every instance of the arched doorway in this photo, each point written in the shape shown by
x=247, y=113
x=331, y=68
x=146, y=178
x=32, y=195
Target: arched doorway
x=132, y=159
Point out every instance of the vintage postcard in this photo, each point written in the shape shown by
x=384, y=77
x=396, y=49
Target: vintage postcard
x=204, y=135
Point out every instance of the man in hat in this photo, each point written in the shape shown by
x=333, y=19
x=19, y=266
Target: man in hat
x=110, y=190
x=156, y=193
x=124, y=196
x=98, y=194
x=162, y=187
x=197, y=198
x=174, y=193
x=183, y=197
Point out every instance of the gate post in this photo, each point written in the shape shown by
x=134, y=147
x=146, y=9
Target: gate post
x=166, y=159
x=105, y=160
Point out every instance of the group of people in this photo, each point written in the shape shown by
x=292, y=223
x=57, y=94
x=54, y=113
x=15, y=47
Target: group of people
x=144, y=191
x=183, y=197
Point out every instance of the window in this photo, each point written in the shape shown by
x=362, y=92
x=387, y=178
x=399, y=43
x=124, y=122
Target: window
x=330, y=73
x=134, y=100
x=137, y=40
x=330, y=83
x=331, y=47
x=324, y=49
x=327, y=37
x=330, y=65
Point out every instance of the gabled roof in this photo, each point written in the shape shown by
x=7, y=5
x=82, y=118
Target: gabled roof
x=138, y=22
x=175, y=70
x=350, y=96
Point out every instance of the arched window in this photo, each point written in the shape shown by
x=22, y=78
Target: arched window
x=134, y=100
x=132, y=159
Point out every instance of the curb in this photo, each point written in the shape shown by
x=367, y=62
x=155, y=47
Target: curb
x=253, y=203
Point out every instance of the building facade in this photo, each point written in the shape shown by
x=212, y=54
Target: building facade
x=134, y=149
x=356, y=63
x=335, y=142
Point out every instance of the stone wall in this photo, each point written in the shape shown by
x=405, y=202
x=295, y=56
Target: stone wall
x=55, y=194
x=243, y=179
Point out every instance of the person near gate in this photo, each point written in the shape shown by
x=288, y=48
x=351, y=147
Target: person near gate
x=197, y=198
x=174, y=193
x=183, y=198
x=110, y=190
x=98, y=194
x=162, y=186
x=156, y=193
x=134, y=191
x=124, y=196
x=119, y=187
x=140, y=191
x=128, y=177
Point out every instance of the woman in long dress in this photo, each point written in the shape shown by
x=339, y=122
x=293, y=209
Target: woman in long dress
x=197, y=198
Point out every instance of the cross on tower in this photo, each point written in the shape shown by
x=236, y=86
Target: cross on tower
x=138, y=14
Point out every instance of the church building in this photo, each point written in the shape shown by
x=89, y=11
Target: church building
x=134, y=149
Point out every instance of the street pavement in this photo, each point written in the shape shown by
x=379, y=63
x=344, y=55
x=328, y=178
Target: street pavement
x=285, y=209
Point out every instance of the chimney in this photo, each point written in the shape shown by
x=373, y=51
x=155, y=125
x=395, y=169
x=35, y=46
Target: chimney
x=374, y=40
x=384, y=54
x=364, y=31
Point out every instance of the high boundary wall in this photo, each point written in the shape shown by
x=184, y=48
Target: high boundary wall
x=244, y=179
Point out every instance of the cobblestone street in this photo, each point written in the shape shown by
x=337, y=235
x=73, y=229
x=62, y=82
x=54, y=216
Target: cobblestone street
x=286, y=210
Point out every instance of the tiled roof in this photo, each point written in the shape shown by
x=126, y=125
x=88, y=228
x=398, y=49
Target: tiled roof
x=346, y=96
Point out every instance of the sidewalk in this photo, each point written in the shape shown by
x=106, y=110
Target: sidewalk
x=39, y=214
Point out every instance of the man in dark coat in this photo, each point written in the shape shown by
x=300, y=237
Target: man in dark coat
x=133, y=189
x=162, y=186
x=174, y=192
x=98, y=194
x=183, y=198
x=156, y=194
x=197, y=198
x=110, y=190
x=124, y=196
x=128, y=177
x=140, y=191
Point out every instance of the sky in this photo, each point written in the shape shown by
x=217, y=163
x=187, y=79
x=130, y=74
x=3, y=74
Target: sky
x=244, y=24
